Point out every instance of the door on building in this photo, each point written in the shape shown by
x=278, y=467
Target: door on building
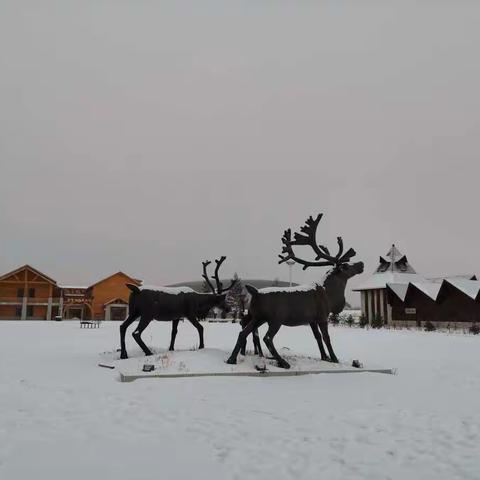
x=74, y=312
x=118, y=313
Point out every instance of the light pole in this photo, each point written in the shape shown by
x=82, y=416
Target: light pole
x=290, y=264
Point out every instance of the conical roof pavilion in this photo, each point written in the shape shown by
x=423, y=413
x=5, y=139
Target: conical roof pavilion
x=394, y=262
x=392, y=269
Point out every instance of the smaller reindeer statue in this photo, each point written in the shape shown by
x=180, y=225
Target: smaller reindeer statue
x=305, y=305
x=170, y=304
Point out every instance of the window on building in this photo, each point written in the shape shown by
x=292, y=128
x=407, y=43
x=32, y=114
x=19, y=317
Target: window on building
x=18, y=311
x=20, y=293
x=31, y=293
x=30, y=311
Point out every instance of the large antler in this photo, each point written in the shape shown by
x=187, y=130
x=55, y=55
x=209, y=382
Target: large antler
x=220, y=288
x=308, y=237
x=205, y=275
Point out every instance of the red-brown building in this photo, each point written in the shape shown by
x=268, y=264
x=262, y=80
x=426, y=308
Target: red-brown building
x=28, y=294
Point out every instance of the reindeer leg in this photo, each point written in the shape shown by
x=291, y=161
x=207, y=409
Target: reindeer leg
x=326, y=337
x=268, y=339
x=242, y=339
x=256, y=343
x=137, y=334
x=123, y=330
x=174, y=334
x=318, y=338
x=243, y=350
x=193, y=320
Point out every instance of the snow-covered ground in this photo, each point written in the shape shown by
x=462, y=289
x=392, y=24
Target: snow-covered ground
x=61, y=416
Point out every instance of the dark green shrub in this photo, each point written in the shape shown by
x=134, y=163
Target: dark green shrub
x=475, y=329
x=334, y=318
x=429, y=326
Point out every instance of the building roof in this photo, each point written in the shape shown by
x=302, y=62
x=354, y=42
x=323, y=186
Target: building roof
x=380, y=280
x=468, y=287
x=468, y=276
x=430, y=289
x=394, y=262
x=399, y=289
x=34, y=270
x=133, y=280
x=393, y=269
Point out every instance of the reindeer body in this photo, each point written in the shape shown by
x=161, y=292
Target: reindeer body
x=169, y=304
x=166, y=307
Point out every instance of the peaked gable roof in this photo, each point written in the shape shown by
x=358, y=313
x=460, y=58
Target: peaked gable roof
x=470, y=288
x=428, y=289
x=31, y=269
x=128, y=277
x=399, y=289
x=380, y=280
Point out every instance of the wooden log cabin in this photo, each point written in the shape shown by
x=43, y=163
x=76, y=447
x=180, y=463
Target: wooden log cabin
x=28, y=294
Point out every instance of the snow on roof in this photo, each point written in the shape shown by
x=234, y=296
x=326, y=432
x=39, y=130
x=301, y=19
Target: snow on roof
x=469, y=276
x=380, y=280
x=469, y=287
x=430, y=289
x=169, y=290
x=297, y=288
x=400, y=289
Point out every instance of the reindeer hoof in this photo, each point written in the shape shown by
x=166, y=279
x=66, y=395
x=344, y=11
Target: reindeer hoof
x=201, y=346
x=326, y=359
x=123, y=356
x=232, y=361
x=284, y=364
x=334, y=360
x=171, y=349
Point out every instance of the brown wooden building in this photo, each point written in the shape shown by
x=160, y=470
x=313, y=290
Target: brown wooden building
x=28, y=294
x=397, y=294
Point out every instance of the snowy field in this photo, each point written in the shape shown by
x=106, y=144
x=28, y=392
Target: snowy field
x=63, y=417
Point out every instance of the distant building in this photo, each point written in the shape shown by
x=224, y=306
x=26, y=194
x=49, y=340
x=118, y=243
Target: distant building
x=396, y=293
x=28, y=294
x=393, y=269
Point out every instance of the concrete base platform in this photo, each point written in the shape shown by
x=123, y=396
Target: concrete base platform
x=210, y=362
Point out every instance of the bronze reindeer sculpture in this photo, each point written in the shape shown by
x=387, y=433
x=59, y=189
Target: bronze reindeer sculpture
x=170, y=304
x=302, y=305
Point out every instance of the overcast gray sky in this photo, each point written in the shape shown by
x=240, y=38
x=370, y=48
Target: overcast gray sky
x=147, y=136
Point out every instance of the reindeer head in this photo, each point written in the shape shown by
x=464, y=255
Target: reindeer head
x=219, y=292
x=307, y=237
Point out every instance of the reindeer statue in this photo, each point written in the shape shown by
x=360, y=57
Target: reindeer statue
x=170, y=304
x=306, y=305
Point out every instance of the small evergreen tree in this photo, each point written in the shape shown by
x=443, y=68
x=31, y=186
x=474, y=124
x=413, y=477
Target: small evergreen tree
x=236, y=297
x=377, y=321
x=349, y=320
x=363, y=321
